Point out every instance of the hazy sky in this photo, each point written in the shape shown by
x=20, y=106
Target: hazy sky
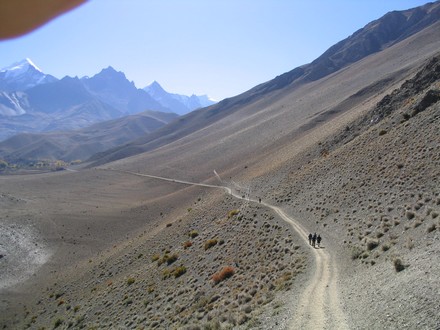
x=215, y=47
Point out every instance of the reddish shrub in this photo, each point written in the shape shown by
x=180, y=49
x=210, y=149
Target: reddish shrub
x=225, y=273
x=187, y=244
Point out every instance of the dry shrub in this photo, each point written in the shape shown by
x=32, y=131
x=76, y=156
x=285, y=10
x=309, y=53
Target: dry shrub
x=179, y=271
x=372, y=244
x=176, y=272
x=225, y=273
x=398, y=265
x=169, y=259
x=187, y=244
x=356, y=252
x=210, y=243
x=232, y=213
x=193, y=234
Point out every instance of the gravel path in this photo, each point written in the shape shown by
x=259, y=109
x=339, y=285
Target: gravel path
x=319, y=305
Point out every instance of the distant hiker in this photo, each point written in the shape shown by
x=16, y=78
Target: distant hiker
x=314, y=239
x=318, y=240
x=310, y=238
x=259, y=200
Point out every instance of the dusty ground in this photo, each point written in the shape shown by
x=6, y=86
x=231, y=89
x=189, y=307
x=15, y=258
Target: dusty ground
x=132, y=282
x=135, y=252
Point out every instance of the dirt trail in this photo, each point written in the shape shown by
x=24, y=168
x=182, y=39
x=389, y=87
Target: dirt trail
x=319, y=306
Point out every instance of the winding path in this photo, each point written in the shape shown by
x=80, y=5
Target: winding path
x=319, y=306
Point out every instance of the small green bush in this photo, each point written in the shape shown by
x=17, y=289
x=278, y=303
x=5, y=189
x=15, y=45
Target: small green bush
x=130, y=280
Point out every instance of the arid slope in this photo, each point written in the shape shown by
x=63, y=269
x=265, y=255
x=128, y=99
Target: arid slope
x=130, y=251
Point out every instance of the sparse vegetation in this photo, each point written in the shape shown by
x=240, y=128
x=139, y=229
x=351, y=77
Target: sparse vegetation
x=130, y=280
x=210, y=243
x=223, y=274
x=356, y=252
x=193, y=233
x=187, y=244
x=57, y=323
x=398, y=264
x=372, y=244
x=233, y=213
x=168, y=259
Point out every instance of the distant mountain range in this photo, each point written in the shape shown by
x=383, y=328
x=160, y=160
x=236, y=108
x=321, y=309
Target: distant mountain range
x=32, y=101
x=82, y=143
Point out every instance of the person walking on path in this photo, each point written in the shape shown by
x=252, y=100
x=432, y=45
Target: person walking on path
x=310, y=238
x=318, y=240
x=314, y=239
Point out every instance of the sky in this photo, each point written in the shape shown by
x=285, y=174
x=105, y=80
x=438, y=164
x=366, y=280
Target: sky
x=220, y=48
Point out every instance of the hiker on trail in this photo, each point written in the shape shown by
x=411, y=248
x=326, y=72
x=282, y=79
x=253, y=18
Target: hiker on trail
x=259, y=200
x=314, y=239
x=310, y=238
x=318, y=240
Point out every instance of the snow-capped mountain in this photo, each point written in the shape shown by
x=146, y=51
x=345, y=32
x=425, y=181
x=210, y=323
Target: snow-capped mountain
x=23, y=75
x=32, y=101
x=181, y=104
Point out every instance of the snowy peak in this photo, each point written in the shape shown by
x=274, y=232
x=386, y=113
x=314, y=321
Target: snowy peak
x=20, y=68
x=180, y=104
x=154, y=88
x=23, y=75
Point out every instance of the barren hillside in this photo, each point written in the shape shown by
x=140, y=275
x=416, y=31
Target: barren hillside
x=139, y=243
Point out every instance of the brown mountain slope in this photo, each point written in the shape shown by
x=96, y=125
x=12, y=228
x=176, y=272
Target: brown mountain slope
x=130, y=251
x=271, y=130
x=373, y=191
x=374, y=37
x=81, y=144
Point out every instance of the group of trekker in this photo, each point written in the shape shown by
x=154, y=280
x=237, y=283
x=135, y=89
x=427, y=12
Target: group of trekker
x=314, y=240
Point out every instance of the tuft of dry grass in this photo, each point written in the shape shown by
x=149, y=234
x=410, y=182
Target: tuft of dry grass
x=187, y=244
x=210, y=243
x=224, y=274
x=193, y=233
x=169, y=259
x=232, y=213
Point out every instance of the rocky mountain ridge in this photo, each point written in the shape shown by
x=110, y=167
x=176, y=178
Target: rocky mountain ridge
x=25, y=89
